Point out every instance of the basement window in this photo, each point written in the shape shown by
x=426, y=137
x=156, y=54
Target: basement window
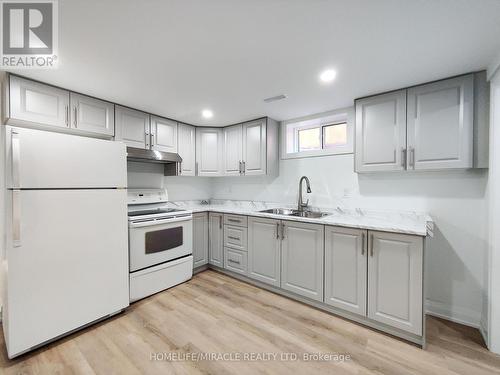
x=328, y=133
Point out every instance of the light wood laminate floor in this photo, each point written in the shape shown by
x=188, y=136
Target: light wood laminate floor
x=213, y=313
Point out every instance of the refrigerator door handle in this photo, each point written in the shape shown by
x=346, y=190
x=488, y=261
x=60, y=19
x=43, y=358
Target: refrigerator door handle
x=16, y=218
x=16, y=160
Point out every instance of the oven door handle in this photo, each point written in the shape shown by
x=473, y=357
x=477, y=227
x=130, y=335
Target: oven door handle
x=150, y=223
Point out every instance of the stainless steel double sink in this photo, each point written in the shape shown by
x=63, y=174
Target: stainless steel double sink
x=296, y=213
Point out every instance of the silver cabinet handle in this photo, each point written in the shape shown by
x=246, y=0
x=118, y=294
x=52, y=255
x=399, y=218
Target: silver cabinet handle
x=283, y=231
x=403, y=157
x=234, y=220
x=363, y=243
x=278, y=230
x=244, y=167
x=412, y=157
x=66, y=109
x=220, y=222
x=196, y=169
x=233, y=261
x=240, y=165
x=16, y=218
x=75, y=120
x=146, y=139
x=153, y=140
x=16, y=160
x=234, y=238
x=371, y=244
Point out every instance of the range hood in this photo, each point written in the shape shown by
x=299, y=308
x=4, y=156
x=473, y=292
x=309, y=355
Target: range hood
x=170, y=160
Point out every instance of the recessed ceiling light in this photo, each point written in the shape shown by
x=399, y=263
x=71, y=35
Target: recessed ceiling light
x=207, y=113
x=327, y=75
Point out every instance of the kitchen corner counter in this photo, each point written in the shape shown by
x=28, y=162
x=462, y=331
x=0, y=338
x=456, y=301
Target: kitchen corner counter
x=407, y=222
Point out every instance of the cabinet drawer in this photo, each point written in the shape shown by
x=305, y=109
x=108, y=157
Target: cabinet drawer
x=235, y=237
x=237, y=220
x=235, y=260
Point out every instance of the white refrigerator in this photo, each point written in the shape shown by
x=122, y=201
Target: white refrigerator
x=66, y=258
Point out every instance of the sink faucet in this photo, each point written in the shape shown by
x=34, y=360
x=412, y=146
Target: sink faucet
x=301, y=205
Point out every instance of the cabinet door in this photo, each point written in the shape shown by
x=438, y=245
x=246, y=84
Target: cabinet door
x=302, y=250
x=92, y=115
x=254, y=148
x=440, y=124
x=395, y=280
x=186, y=149
x=232, y=150
x=381, y=132
x=209, y=151
x=163, y=134
x=200, y=239
x=264, y=250
x=216, y=240
x=132, y=127
x=35, y=102
x=346, y=268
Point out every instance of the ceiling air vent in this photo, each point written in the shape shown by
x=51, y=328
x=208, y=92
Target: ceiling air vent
x=275, y=98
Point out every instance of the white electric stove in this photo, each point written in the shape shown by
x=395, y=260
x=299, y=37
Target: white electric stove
x=160, y=243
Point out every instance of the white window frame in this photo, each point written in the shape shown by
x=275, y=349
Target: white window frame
x=319, y=120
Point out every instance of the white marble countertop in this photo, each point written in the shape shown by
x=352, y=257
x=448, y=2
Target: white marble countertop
x=407, y=222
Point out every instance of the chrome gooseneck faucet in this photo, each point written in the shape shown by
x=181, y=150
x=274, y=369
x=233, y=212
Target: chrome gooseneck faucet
x=301, y=205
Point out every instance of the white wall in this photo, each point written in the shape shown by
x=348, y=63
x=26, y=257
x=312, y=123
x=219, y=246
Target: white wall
x=493, y=316
x=455, y=199
x=144, y=175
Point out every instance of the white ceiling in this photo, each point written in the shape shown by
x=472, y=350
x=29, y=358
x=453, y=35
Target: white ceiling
x=175, y=58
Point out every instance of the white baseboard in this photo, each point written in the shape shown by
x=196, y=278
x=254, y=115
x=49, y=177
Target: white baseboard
x=455, y=314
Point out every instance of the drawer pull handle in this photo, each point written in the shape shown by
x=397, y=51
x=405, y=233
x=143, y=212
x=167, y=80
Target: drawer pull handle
x=234, y=220
x=233, y=261
x=233, y=238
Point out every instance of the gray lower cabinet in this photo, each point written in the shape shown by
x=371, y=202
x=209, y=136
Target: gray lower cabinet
x=346, y=268
x=377, y=275
x=302, y=250
x=200, y=239
x=215, y=240
x=264, y=250
x=395, y=278
x=235, y=260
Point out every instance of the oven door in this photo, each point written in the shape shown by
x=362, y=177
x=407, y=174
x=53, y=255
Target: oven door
x=156, y=241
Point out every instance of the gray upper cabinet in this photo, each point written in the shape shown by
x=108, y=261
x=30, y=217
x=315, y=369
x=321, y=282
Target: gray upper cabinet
x=395, y=279
x=302, y=250
x=215, y=240
x=200, y=239
x=255, y=148
x=92, y=115
x=381, y=132
x=132, y=127
x=264, y=250
x=440, y=124
x=209, y=151
x=186, y=147
x=31, y=102
x=163, y=134
x=346, y=268
x=233, y=150
x=251, y=148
